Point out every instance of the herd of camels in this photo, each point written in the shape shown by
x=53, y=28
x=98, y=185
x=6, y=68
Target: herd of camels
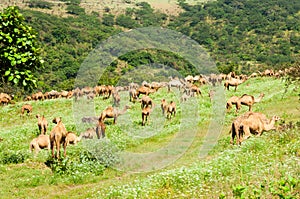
x=241, y=128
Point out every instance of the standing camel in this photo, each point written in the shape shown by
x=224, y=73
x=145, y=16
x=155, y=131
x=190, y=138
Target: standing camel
x=58, y=136
x=248, y=100
x=111, y=112
x=234, y=82
x=42, y=124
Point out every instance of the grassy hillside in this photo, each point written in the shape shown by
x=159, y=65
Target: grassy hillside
x=266, y=167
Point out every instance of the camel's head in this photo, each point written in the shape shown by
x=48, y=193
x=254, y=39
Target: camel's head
x=276, y=118
x=37, y=116
x=262, y=94
x=56, y=120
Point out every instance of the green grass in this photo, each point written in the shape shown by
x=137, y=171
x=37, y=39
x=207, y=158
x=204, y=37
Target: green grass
x=266, y=167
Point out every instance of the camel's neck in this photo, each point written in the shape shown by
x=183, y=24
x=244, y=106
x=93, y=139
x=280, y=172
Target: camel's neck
x=258, y=99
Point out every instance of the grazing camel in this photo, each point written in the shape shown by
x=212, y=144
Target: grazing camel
x=234, y=82
x=72, y=138
x=27, y=108
x=5, y=98
x=232, y=100
x=251, y=122
x=42, y=124
x=58, y=137
x=100, y=129
x=248, y=100
x=146, y=101
x=41, y=142
x=171, y=110
x=145, y=90
x=111, y=112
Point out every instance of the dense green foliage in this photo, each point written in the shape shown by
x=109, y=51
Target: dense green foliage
x=19, y=52
x=240, y=32
x=241, y=36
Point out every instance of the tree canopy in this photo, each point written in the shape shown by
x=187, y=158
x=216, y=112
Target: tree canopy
x=19, y=52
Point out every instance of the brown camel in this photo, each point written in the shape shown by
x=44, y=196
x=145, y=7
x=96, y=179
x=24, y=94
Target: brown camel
x=164, y=106
x=100, y=129
x=232, y=100
x=72, y=138
x=146, y=114
x=116, y=98
x=42, y=124
x=111, y=112
x=251, y=122
x=41, y=142
x=27, y=108
x=248, y=100
x=145, y=90
x=132, y=95
x=234, y=82
x=90, y=133
x=146, y=101
x=195, y=90
x=37, y=96
x=171, y=110
x=58, y=137
x=5, y=98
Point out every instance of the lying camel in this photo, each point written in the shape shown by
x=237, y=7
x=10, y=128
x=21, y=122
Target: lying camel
x=72, y=138
x=146, y=101
x=90, y=133
x=251, y=122
x=248, y=100
x=41, y=142
x=27, y=108
x=234, y=82
x=111, y=112
x=58, y=137
x=42, y=124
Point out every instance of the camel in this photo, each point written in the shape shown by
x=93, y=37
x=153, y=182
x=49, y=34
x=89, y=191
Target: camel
x=58, y=137
x=248, y=100
x=100, y=129
x=116, y=98
x=41, y=142
x=42, y=124
x=174, y=83
x=195, y=90
x=251, y=122
x=72, y=138
x=132, y=95
x=27, y=108
x=146, y=114
x=146, y=101
x=164, y=106
x=171, y=109
x=111, y=112
x=234, y=82
x=90, y=133
x=256, y=123
x=145, y=90
x=232, y=100
x=37, y=96
x=186, y=95
x=5, y=98
x=211, y=94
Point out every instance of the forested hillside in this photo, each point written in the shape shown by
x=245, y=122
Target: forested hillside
x=243, y=36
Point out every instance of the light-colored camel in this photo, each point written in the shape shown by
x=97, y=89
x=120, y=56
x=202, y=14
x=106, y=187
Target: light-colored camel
x=26, y=108
x=234, y=82
x=58, y=137
x=248, y=100
x=111, y=112
x=132, y=95
x=251, y=122
x=116, y=98
x=146, y=101
x=256, y=123
x=41, y=142
x=90, y=133
x=211, y=94
x=72, y=138
x=42, y=124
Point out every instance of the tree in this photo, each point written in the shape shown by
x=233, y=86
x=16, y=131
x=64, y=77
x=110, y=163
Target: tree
x=19, y=50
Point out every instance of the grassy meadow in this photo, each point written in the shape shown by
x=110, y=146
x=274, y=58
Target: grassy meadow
x=262, y=167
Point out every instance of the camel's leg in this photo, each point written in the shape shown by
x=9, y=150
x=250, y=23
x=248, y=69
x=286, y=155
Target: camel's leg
x=235, y=88
x=52, y=149
x=57, y=148
x=250, y=107
x=65, y=148
x=247, y=132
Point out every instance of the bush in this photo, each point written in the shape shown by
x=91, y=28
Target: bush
x=13, y=157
